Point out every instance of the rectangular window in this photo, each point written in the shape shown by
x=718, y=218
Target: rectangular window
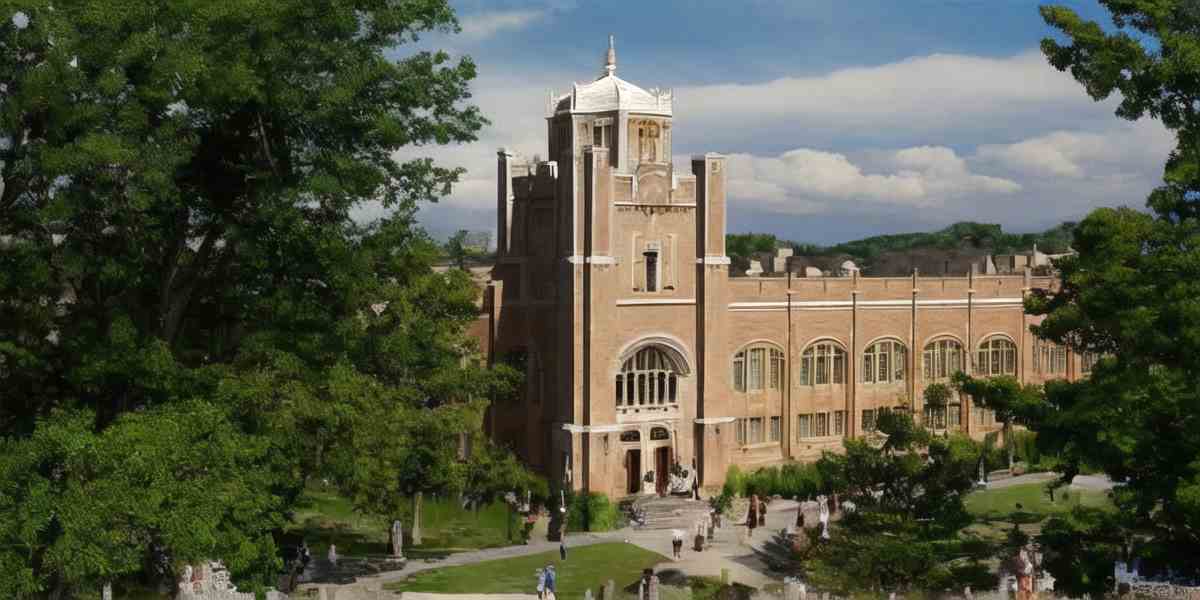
x=776, y=369
x=804, y=426
x=741, y=432
x=806, y=370
x=899, y=363
x=822, y=370
x=839, y=422
x=755, y=375
x=868, y=420
x=883, y=364
x=868, y=373
x=602, y=136
x=839, y=368
x=953, y=415
x=756, y=430
x=651, y=271
x=821, y=424
x=776, y=429
x=928, y=364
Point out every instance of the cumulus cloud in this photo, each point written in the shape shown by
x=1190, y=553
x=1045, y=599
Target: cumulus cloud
x=1076, y=154
x=804, y=180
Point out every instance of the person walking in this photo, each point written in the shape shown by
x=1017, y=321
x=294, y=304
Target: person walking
x=752, y=518
x=676, y=543
x=762, y=514
x=541, y=583
x=551, y=583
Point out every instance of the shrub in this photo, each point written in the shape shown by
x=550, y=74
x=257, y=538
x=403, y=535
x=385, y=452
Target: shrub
x=601, y=513
x=735, y=483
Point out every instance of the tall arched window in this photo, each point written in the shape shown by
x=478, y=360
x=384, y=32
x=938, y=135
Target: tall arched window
x=942, y=359
x=823, y=363
x=757, y=368
x=884, y=362
x=649, y=377
x=997, y=356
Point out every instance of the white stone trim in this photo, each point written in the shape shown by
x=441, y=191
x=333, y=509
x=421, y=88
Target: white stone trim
x=656, y=301
x=573, y=428
x=714, y=260
x=654, y=205
x=715, y=420
x=818, y=304
x=602, y=260
x=575, y=259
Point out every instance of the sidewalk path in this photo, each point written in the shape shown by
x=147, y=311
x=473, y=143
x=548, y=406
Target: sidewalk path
x=1090, y=482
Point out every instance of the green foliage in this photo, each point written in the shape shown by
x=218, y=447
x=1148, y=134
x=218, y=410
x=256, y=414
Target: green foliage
x=593, y=512
x=907, y=534
x=1130, y=294
x=182, y=176
x=97, y=506
x=1013, y=402
x=465, y=247
x=792, y=480
x=735, y=482
x=937, y=394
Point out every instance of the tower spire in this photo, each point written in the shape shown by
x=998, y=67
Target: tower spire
x=610, y=61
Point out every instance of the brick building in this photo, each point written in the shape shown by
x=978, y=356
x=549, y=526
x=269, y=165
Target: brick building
x=612, y=291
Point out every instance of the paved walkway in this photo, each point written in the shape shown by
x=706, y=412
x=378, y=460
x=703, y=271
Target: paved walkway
x=729, y=550
x=1090, y=482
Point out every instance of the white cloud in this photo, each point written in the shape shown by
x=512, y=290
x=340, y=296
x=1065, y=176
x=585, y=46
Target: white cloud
x=484, y=25
x=805, y=181
x=1077, y=154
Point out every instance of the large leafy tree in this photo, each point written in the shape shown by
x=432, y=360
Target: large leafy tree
x=1009, y=399
x=906, y=534
x=176, y=246
x=1130, y=293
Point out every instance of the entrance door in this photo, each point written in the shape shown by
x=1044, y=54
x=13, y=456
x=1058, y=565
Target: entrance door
x=662, y=469
x=633, y=471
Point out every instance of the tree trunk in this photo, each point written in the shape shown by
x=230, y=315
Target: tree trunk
x=416, y=528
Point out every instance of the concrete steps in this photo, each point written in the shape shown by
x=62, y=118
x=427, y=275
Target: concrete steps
x=673, y=513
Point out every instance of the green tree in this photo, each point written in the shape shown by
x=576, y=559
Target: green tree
x=176, y=187
x=1011, y=401
x=1129, y=294
x=464, y=247
x=907, y=533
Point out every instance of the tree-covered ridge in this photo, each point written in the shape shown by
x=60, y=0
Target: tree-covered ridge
x=985, y=237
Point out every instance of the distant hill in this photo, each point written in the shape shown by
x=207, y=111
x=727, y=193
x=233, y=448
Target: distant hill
x=983, y=238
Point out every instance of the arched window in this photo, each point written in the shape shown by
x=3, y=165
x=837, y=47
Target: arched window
x=659, y=433
x=823, y=363
x=997, y=356
x=942, y=359
x=631, y=436
x=649, y=377
x=884, y=362
x=757, y=368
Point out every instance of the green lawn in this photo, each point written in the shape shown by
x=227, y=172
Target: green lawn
x=324, y=518
x=996, y=509
x=586, y=567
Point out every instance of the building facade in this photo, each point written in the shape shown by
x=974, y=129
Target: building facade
x=612, y=292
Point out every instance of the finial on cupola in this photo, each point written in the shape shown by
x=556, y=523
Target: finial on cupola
x=610, y=62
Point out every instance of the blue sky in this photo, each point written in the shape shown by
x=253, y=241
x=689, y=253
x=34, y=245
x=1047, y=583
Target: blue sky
x=842, y=119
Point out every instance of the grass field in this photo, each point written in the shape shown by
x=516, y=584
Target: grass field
x=586, y=567
x=996, y=509
x=325, y=518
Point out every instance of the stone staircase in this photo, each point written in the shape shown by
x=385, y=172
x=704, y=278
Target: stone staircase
x=672, y=512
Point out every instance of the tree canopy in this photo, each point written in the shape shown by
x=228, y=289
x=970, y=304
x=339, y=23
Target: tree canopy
x=1130, y=296
x=182, y=282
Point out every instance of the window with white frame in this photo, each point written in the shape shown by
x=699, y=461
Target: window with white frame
x=884, y=362
x=750, y=431
x=942, y=359
x=823, y=363
x=650, y=377
x=602, y=133
x=868, y=420
x=776, y=429
x=758, y=368
x=1049, y=358
x=839, y=422
x=997, y=356
x=804, y=426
